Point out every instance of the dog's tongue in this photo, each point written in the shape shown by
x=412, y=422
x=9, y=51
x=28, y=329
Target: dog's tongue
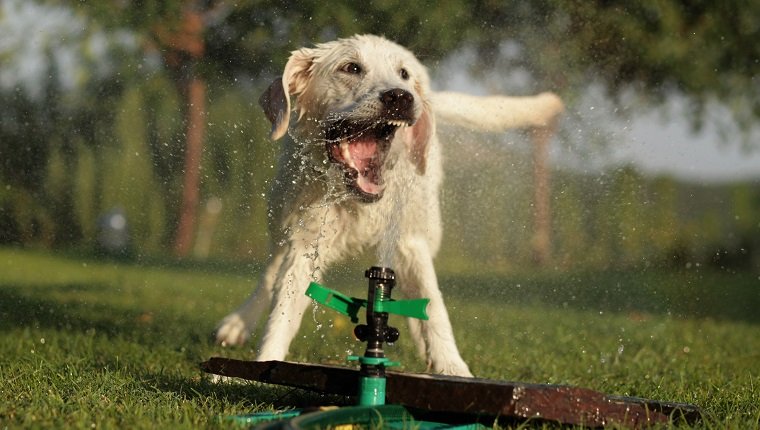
x=363, y=155
x=362, y=149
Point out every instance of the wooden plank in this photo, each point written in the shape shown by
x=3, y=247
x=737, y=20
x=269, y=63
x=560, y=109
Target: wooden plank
x=472, y=396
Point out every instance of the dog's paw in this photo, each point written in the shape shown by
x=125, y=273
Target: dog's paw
x=458, y=370
x=450, y=368
x=233, y=330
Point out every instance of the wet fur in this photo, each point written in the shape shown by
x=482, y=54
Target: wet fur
x=316, y=221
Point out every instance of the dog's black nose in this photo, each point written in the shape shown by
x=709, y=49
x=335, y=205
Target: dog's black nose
x=397, y=101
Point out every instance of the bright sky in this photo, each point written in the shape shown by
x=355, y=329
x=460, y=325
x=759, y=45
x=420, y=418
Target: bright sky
x=657, y=146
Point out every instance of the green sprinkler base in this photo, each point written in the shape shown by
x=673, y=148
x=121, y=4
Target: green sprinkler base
x=373, y=417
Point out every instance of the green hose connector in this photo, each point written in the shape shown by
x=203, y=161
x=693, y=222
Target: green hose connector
x=371, y=391
x=372, y=388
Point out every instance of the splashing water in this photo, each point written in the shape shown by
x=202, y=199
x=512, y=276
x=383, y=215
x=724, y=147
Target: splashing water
x=318, y=213
x=392, y=234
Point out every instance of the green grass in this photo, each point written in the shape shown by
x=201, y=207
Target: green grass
x=94, y=344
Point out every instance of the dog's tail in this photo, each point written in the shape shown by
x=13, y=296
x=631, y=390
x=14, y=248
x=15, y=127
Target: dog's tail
x=496, y=113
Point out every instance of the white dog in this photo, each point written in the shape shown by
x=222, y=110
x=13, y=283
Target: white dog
x=363, y=169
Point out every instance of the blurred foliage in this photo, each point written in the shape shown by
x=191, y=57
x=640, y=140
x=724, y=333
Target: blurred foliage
x=703, y=49
x=616, y=218
x=116, y=139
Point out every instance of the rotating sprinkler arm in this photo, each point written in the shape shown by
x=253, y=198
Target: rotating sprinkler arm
x=350, y=306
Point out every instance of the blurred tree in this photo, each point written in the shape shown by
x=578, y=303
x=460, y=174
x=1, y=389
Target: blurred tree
x=542, y=240
x=175, y=29
x=258, y=35
x=706, y=50
x=184, y=48
x=131, y=181
x=242, y=160
x=631, y=224
x=571, y=238
x=663, y=216
x=53, y=70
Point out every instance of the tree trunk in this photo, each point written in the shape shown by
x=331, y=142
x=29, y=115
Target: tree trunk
x=183, y=48
x=195, y=119
x=541, y=242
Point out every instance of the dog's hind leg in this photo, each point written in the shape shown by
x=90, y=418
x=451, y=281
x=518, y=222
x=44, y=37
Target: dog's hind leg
x=416, y=277
x=238, y=326
x=415, y=330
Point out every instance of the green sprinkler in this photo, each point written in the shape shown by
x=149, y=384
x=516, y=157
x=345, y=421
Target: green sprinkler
x=371, y=411
x=376, y=331
x=461, y=403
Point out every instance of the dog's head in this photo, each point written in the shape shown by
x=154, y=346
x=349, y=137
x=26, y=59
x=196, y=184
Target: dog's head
x=358, y=96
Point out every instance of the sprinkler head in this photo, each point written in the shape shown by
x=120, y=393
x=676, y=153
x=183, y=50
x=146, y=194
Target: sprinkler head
x=380, y=273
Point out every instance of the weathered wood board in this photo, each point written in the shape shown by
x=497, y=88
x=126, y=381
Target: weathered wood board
x=456, y=396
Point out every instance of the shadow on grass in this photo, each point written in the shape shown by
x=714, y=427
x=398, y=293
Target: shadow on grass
x=244, y=396
x=712, y=294
x=167, y=262
x=21, y=309
x=23, y=306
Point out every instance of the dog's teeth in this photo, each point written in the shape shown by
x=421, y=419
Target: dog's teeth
x=398, y=123
x=345, y=152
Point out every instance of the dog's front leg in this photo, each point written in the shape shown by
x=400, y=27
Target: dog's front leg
x=416, y=278
x=289, y=301
x=238, y=326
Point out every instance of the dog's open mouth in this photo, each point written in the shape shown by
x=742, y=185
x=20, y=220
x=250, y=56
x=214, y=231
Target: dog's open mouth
x=360, y=149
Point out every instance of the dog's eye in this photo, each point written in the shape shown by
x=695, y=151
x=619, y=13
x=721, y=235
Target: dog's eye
x=404, y=74
x=351, y=68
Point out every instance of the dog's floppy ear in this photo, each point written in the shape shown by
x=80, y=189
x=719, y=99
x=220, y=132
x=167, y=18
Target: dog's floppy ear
x=276, y=99
x=422, y=131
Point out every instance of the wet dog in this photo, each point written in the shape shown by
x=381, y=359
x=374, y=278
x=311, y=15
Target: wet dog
x=362, y=167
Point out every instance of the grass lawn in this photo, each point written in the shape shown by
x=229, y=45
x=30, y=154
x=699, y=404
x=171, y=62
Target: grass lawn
x=94, y=344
